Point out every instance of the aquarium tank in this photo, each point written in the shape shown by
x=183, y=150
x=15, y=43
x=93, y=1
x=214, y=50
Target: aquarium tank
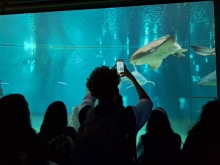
x=47, y=56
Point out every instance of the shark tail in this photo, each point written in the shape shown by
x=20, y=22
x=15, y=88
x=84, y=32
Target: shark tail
x=128, y=87
x=151, y=82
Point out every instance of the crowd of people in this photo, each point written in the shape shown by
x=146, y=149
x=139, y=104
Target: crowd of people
x=107, y=130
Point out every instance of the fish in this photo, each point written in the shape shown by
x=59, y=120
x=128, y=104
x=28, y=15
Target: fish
x=3, y=83
x=154, y=52
x=204, y=51
x=62, y=83
x=209, y=80
x=140, y=79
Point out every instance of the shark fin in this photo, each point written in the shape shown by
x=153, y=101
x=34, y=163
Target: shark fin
x=154, y=65
x=183, y=50
x=135, y=69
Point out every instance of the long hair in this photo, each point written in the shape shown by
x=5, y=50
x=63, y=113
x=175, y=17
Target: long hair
x=159, y=123
x=15, y=115
x=161, y=144
x=15, y=126
x=55, y=119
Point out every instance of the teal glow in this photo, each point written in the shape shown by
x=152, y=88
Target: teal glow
x=197, y=68
x=196, y=78
x=182, y=102
x=125, y=101
x=29, y=45
x=146, y=40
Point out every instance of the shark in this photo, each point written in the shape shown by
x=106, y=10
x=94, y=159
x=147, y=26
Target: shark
x=140, y=79
x=204, y=51
x=154, y=52
x=209, y=80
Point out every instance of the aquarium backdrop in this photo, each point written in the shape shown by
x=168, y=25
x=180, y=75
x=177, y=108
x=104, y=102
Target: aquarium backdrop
x=48, y=56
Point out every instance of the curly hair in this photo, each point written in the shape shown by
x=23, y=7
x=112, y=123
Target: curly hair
x=103, y=82
x=119, y=101
x=209, y=117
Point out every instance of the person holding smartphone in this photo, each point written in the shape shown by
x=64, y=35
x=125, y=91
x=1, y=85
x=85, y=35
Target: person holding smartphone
x=103, y=85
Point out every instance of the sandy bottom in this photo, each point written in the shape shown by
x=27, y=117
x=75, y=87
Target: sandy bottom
x=179, y=126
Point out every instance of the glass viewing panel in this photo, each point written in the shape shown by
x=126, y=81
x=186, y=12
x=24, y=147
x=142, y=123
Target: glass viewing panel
x=48, y=56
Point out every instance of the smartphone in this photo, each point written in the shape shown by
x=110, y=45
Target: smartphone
x=120, y=65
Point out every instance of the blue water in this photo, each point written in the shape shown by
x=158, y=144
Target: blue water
x=39, y=50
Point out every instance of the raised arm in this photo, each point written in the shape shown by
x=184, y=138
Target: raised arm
x=143, y=109
x=139, y=89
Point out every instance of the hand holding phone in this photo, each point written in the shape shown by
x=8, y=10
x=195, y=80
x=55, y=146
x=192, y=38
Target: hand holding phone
x=120, y=65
